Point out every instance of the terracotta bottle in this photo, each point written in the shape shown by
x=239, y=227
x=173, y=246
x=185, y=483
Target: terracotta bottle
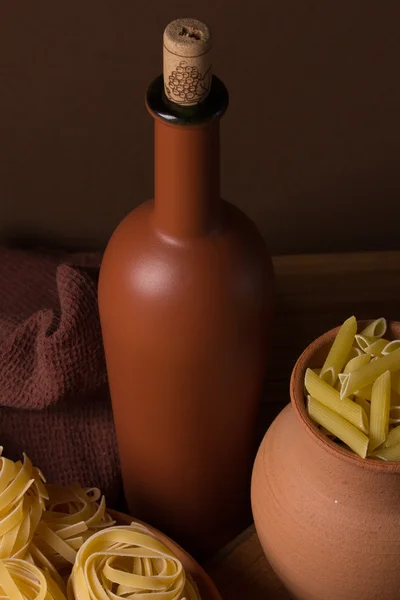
x=185, y=296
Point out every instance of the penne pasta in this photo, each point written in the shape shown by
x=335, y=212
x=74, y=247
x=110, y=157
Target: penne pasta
x=364, y=393
x=395, y=413
x=338, y=384
x=394, y=399
x=376, y=348
x=372, y=345
x=317, y=371
x=338, y=426
x=355, y=363
x=339, y=351
x=328, y=396
x=364, y=341
x=328, y=376
x=393, y=438
x=380, y=408
x=376, y=329
x=327, y=432
x=396, y=382
x=357, y=400
x=353, y=353
x=369, y=373
x=391, y=453
x=390, y=347
x=365, y=405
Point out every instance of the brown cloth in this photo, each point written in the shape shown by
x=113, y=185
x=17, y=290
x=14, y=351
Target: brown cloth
x=54, y=401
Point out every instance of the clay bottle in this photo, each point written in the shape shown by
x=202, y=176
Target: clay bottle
x=185, y=297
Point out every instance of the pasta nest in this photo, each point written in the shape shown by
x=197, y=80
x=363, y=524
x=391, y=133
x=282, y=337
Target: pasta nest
x=125, y=561
x=21, y=580
x=72, y=515
x=22, y=503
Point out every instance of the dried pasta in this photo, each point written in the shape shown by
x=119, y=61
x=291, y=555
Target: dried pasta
x=327, y=395
x=369, y=373
x=339, y=351
x=21, y=580
x=390, y=453
x=380, y=408
x=364, y=341
x=396, y=382
x=394, y=415
x=372, y=346
x=393, y=437
x=73, y=514
x=353, y=353
x=125, y=562
x=391, y=346
x=376, y=329
x=22, y=502
x=394, y=399
x=338, y=426
x=44, y=525
x=355, y=363
x=365, y=405
x=47, y=531
x=366, y=395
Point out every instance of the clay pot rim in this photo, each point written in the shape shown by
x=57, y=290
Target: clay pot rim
x=299, y=407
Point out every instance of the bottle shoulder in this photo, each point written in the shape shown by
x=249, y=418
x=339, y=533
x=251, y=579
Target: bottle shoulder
x=224, y=277
x=136, y=233
x=233, y=259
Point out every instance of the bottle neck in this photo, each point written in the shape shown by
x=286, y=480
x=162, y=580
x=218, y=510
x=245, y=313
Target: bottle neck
x=187, y=178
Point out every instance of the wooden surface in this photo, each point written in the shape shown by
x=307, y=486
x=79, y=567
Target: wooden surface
x=314, y=294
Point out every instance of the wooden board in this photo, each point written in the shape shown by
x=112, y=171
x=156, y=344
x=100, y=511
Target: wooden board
x=241, y=571
x=314, y=294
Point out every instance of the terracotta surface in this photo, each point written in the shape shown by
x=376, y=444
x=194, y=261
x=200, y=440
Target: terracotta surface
x=329, y=521
x=206, y=587
x=185, y=297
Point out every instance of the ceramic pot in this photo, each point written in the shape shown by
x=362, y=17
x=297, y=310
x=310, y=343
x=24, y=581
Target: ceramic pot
x=328, y=520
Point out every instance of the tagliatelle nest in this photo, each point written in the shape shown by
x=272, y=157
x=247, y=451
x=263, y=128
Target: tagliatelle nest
x=125, y=561
x=22, y=502
x=47, y=531
x=20, y=580
x=72, y=515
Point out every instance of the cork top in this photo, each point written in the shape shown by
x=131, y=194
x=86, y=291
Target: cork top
x=187, y=61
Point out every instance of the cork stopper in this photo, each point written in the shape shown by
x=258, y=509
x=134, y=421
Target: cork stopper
x=187, y=61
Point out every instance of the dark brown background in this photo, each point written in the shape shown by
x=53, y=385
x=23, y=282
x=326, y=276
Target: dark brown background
x=311, y=143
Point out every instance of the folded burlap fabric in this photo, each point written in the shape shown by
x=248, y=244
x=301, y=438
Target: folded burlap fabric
x=54, y=402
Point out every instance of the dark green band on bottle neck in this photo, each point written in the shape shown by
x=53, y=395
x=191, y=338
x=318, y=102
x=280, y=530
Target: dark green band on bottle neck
x=213, y=107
